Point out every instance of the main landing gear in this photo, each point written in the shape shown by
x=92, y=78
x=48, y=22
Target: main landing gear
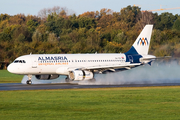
x=68, y=80
x=29, y=82
x=92, y=80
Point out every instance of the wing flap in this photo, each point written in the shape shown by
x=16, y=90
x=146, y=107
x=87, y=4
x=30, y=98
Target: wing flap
x=113, y=66
x=110, y=67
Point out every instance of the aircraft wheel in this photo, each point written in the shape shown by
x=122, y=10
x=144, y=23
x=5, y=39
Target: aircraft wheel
x=68, y=80
x=29, y=82
x=93, y=80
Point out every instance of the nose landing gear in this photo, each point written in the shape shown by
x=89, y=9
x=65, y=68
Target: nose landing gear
x=29, y=82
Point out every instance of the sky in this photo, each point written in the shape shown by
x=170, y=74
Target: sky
x=32, y=7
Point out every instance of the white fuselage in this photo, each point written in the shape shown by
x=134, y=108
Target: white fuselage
x=62, y=63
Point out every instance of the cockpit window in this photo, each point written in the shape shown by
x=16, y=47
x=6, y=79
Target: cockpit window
x=19, y=61
x=16, y=61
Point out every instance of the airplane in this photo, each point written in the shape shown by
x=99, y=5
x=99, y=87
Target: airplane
x=78, y=67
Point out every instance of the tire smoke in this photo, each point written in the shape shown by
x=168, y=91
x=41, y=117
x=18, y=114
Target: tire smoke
x=159, y=72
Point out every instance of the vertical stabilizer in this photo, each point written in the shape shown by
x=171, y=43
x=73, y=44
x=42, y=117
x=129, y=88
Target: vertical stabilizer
x=141, y=45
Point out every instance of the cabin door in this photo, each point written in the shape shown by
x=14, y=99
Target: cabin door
x=34, y=63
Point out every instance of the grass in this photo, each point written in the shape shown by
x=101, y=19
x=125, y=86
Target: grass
x=92, y=104
x=6, y=77
x=107, y=103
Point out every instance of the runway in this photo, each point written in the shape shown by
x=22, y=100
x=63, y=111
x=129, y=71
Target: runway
x=19, y=86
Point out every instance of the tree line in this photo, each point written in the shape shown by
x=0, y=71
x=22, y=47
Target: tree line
x=55, y=30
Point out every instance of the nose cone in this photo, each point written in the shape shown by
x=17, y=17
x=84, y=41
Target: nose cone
x=10, y=68
x=16, y=68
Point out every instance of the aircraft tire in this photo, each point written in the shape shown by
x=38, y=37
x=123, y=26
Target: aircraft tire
x=29, y=82
x=68, y=80
x=93, y=80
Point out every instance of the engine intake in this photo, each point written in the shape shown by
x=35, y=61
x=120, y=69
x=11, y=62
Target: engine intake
x=80, y=75
x=46, y=77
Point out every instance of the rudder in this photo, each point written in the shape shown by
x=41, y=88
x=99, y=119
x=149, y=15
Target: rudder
x=141, y=45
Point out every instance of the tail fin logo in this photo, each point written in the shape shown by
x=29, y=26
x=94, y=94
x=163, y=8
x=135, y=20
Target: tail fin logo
x=142, y=41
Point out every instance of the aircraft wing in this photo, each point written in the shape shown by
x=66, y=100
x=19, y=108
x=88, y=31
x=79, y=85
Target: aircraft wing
x=111, y=67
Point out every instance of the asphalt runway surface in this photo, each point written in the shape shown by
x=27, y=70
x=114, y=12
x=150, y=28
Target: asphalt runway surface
x=19, y=86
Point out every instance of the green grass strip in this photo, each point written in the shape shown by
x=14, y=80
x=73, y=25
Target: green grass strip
x=6, y=77
x=146, y=103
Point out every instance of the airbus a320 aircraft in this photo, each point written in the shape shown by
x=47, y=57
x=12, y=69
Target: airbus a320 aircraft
x=83, y=66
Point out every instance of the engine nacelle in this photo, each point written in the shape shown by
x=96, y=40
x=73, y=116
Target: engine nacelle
x=80, y=75
x=46, y=77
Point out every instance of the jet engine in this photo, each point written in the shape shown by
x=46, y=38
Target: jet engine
x=80, y=75
x=46, y=77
